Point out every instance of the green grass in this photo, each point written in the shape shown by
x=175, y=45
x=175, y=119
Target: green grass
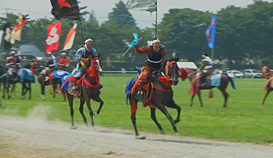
x=244, y=120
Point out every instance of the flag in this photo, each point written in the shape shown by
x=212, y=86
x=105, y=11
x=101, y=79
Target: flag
x=70, y=38
x=7, y=34
x=17, y=29
x=65, y=9
x=53, y=37
x=142, y=5
x=135, y=41
x=211, y=31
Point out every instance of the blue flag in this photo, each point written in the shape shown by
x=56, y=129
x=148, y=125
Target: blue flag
x=135, y=41
x=211, y=31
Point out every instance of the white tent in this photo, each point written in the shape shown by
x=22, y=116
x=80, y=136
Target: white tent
x=189, y=65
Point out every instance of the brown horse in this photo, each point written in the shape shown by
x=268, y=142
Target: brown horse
x=192, y=75
x=161, y=95
x=90, y=89
x=268, y=74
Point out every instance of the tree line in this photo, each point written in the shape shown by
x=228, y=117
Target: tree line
x=242, y=35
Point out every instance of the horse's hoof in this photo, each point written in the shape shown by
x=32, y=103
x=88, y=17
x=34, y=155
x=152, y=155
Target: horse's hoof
x=73, y=127
x=140, y=137
x=162, y=132
x=177, y=134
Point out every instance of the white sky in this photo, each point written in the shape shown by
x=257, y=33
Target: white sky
x=42, y=8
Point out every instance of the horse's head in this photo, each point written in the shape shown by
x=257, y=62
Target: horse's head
x=171, y=70
x=265, y=71
x=95, y=66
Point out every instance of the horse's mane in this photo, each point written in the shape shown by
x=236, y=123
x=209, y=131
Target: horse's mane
x=171, y=59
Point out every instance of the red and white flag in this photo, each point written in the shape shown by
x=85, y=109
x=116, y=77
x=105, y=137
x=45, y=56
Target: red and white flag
x=70, y=38
x=53, y=37
x=17, y=29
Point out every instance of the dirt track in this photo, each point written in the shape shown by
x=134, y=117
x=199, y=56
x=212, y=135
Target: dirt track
x=29, y=137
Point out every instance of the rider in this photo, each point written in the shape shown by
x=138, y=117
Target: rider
x=14, y=59
x=63, y=62
x=207, y=67
x=156, y=55
x=50, y=64
x=83, y=55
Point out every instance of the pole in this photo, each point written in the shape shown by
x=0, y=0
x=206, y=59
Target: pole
x=156, y=19
x=212, y=53
x=81, y=31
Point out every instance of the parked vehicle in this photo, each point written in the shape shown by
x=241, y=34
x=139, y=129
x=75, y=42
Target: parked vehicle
x=235, y=74
x=252, y=73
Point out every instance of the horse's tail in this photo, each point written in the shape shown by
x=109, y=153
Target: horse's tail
x=231, y=81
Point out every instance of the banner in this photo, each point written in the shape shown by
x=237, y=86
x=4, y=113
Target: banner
x=17, y=29
x=142, y=5
x=53, y=37
x=65, y=9
x=211, y=31
x=70, y=38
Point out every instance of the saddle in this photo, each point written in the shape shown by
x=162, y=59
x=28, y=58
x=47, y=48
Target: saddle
x=205, y=81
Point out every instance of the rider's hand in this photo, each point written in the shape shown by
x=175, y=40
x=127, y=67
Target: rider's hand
x=84, y=60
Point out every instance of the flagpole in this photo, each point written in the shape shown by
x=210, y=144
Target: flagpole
x=212, y=53
x=81, y=30
x=156, y=19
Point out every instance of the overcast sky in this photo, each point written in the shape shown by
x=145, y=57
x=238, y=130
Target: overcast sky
x=42, y=8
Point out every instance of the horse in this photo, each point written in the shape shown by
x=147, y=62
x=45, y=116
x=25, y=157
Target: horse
x=194, y=79
x=89, y=89
x=161, y=95
x=23, y=76
x=46, y=80
x=26, y=79
x=8, y=79
x=268, y=73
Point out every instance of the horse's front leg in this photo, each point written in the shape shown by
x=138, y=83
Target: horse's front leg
x=98, y=99
x=192, y=99
x=153, y=117
x=172, y=104
x=265, y=96
x=43, y=91
x=70, y=101
x=82, y=101
x=200, y=99
x=29, y=89
x=91, y=113
x=163, y=109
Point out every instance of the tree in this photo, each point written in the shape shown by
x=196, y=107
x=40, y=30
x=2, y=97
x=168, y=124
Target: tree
x=183, y=31
x=121, y=16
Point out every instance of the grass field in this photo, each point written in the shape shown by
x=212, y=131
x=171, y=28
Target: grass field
x=244, y=120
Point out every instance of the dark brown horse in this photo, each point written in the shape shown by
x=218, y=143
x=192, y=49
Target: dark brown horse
x=192, y=75
x=90, y=89
x=161, y=95
x=268, y=74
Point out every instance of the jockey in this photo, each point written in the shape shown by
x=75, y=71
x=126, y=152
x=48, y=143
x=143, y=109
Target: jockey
x=207, y=67
x=50, y=64
x=156, y=55
x=14, y=59
x=207, y=64
x=83, y=54
x=63, y=62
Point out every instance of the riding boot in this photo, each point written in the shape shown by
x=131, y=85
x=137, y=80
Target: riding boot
x=203, y=81
x=75, y=87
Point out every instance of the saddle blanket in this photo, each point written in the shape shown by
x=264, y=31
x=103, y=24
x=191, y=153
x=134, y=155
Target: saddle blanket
x=216, y=80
